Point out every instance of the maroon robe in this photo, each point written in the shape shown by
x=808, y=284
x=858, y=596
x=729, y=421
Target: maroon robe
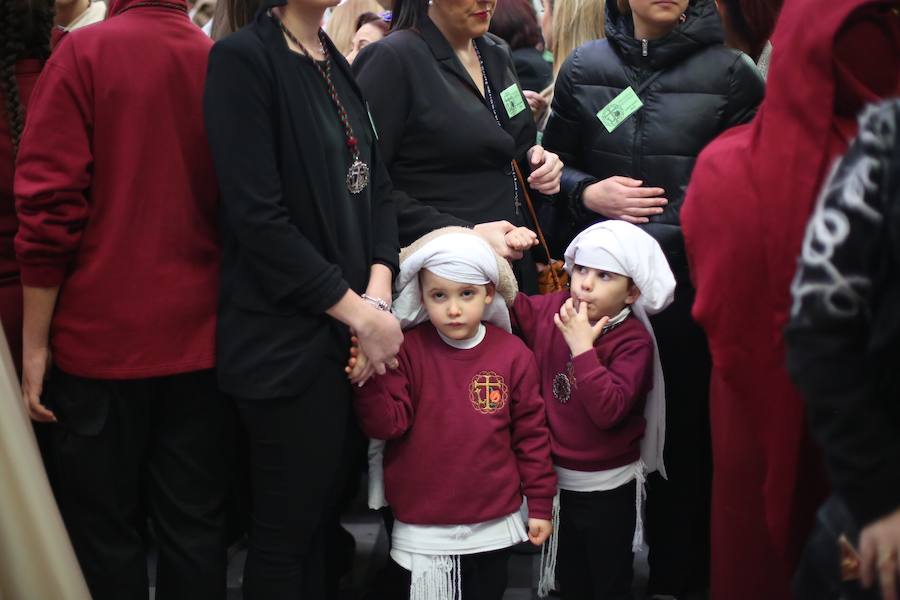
x=744, y=218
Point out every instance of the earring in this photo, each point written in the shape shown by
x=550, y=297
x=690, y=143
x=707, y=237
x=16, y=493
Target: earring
x=681, y=19
x=430, y=2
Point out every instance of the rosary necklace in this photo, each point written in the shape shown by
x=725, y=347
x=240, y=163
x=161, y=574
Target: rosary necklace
x=358, y=173
x=490, y=96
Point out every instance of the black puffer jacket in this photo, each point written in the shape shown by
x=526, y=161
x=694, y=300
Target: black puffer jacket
x=701, y=88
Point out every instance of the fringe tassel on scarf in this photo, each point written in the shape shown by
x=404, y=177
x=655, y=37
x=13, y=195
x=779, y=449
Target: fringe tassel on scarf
x=640, y=476
x=549, y=552
x=441, y=580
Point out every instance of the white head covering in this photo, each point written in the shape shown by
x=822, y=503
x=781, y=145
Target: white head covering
x=457, y=256
x=619, y=247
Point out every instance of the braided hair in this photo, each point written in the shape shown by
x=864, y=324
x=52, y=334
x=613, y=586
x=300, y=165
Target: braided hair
x=26, y=26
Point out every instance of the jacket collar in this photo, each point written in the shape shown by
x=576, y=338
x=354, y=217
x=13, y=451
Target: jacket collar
x=702, y=27
x=492, y=50
x=118, y=6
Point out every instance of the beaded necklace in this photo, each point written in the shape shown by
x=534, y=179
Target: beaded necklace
x=490, y=95
x=358, y=173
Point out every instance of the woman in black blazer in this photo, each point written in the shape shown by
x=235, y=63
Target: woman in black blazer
x=451, y=117
x=310, y=249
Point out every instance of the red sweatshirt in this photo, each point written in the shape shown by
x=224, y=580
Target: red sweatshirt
x=465, y=428
x=601, y=425
x=116, y=197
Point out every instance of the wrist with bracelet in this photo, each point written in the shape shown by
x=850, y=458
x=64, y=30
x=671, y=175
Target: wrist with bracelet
x=378, y=303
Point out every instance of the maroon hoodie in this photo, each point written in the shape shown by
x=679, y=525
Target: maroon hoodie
x=116, y=196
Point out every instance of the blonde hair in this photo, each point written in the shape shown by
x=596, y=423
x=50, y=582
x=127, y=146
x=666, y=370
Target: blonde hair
x=341, y=24
x=574, y=23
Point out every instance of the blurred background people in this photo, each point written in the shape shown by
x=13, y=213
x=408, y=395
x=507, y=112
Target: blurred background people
x=744, y=219
x=202, y=12
x=343, y=22
x=515, y=22
x=74, y=14
x=231, y=15
x=748, y=26
x=369, y=28
x=565, y=25
x=635, y=167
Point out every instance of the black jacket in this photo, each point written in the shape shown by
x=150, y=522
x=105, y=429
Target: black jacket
x=701, y=89
x=294, y=237
x=843, y=339
x=440, y=141
x=534, y=72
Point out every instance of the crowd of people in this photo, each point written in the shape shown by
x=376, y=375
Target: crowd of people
x=591, y=276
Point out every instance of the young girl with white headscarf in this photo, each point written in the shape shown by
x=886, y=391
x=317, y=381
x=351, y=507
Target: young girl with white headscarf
x=603, y=385
x=464, y=423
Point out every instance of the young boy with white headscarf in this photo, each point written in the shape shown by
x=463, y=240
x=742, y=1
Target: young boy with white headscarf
x=464, y=422
x=601, y=378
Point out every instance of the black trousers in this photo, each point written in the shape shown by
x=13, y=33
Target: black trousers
x=596, y=530
x=126, y=450
x=677, y=517
x=483, y=576
x=299, y=454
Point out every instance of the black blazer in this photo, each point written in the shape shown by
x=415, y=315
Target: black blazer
x=285, y=207
x=440, y=141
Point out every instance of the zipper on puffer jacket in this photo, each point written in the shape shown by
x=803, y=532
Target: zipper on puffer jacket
x=636, y=155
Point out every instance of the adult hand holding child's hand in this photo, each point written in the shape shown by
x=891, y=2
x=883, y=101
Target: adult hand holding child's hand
x=506, y=239
x=539, y=530
x=379, y=336
x=577, y=330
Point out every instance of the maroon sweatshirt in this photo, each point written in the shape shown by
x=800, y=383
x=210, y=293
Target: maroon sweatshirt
x=465, y=428
x=601, y=425
x=116, y=197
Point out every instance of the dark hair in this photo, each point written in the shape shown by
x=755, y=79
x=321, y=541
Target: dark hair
x=753, y=20
x=405, y=14
x=231, y=15
x=516, y=22
x=26, y=26
x=370, y=17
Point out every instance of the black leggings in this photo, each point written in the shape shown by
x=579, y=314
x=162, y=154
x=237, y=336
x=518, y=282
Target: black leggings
x=596, y=530
x=298, y=454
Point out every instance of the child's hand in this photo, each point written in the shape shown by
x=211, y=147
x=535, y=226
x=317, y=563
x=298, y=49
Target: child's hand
x=521, y=239
x=577, y=330
x=358, y=368
x=539, y=530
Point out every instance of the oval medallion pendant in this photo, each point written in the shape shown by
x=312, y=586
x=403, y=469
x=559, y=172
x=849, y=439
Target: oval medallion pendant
x=357, y=177
x=562, y=388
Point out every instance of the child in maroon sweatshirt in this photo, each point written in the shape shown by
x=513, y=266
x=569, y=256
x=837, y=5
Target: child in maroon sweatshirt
x=464, y=424
x=601, y=378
